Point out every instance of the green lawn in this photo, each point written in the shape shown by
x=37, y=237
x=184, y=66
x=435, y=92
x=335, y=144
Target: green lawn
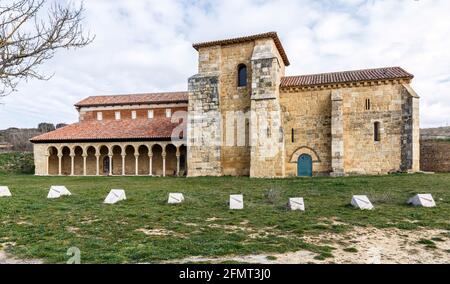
x=203, y=225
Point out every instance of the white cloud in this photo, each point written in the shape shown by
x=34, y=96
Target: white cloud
x=146, y=46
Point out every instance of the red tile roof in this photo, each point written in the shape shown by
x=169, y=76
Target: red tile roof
x=105, y=130
x=272, y=35
x=388, y=73
x=149, y=98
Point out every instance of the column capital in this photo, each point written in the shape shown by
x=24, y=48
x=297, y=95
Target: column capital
x=84, y=155
x=60, y=155
x=136, y=155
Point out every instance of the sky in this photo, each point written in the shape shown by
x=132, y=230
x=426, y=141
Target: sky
x=146, y=46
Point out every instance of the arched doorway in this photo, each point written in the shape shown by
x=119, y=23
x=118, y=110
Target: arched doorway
x=78, y=161
x=66, y=161
x=183, y=154
x=304, y=166
x=171, y=160
x=104, y=160
x=91, y=161
x=53, y=161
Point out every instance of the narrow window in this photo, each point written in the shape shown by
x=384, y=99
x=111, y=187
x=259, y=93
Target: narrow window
x=150, y=114
x=99, y=116
x=269, y=132
x=368, y=104
x=133, y=114
x=242, y=75
x=376, y=132
x=168, y=113
x=117, y=113
x=293, y=135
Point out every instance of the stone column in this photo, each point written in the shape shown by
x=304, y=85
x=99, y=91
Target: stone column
x=150, y=166
x=123, y=164
x=97, y=168
x=60, y=164
x=136, y=157
x=72, y=164
x=48, y=164
x=164, y=163
x=84, y=164
x=110, y=165
x=178, y=162
x=337, y=134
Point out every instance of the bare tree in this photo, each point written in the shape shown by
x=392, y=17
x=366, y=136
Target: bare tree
x=28, y=38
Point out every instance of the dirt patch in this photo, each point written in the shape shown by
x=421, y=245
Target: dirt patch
x=73, y=230
x=360, y=245
x=159, y=232
x=7, y=259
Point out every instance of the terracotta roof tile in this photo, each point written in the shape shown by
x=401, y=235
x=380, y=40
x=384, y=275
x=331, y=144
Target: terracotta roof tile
x=272, y=35
x=148, y=98
x=388, y=73
x=93, y=130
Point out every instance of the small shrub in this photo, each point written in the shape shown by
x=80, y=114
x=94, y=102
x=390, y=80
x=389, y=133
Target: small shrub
x=351, y=249
x=16, y=163
x=438, y=239
x=271, y=257
x=272, y=195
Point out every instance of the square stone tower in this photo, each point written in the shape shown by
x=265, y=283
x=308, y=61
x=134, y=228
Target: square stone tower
x=234, y=120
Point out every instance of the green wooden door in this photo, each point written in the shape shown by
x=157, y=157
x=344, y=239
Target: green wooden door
x=304, y=166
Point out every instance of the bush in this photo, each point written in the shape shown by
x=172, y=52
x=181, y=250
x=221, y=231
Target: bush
x=16, y=163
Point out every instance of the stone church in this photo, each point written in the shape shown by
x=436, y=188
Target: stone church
x=241, y=116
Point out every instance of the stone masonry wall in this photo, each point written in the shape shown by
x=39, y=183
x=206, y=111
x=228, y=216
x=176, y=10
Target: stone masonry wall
x=234, y=108
x=267, y=137
x=363, y=155
x=307, y=129
x=435, y=155
x=204, y=126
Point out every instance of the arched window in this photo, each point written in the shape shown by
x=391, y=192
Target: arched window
x=376, y=132
x=242, y=75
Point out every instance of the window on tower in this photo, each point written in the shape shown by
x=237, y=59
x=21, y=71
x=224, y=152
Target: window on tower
x=242, y=75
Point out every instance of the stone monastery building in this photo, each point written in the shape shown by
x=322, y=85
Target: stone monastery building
x=242, y=116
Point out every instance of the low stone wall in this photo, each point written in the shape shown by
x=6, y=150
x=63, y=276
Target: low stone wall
x=435, y=155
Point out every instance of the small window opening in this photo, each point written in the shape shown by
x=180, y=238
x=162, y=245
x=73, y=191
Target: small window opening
x=376, y=132
x=242, y=75
x=368, y=106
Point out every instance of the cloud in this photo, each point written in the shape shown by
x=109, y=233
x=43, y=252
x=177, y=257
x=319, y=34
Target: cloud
x=146, y=46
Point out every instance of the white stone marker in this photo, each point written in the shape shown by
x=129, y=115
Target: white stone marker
x=115, y=195
x=362, y=202
x=56, y=191
x=4, y=191
x=176, y=198
x=296, y=204
x=236, y=202
x=424, y=200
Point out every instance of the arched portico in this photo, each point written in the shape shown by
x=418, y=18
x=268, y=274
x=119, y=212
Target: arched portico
x=117, y=159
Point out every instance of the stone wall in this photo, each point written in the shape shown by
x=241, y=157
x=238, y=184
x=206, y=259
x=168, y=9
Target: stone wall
x=234, y=108
x=334, y=127
x=266, y=127
x=307, y=129
x=435, y=155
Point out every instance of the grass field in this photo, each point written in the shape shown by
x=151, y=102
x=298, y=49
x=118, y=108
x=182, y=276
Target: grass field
x=145, y=229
